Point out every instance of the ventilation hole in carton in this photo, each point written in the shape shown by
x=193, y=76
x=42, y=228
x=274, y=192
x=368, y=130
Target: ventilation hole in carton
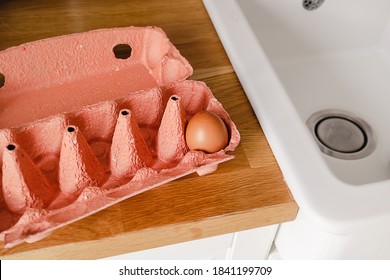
x=2, y=80
x=174, y=98
x=124, y=112
x=71, y=129
x=11, y=147
x=122, y=51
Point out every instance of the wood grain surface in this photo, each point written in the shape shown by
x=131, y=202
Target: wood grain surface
x=244, y=193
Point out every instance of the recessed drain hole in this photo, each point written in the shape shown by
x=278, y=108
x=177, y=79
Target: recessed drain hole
x=311, y=5
x=122, y=51
x=2, y=80
x=342, y=135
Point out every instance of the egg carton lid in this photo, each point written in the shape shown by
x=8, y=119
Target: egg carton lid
x=60, y=74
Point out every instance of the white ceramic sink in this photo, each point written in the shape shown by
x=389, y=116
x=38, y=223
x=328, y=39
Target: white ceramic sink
x=293, y=63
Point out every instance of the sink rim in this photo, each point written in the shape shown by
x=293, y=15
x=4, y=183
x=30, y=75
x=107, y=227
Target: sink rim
x=332, y=204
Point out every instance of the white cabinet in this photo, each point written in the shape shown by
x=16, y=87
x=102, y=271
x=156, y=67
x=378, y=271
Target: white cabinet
x=302, y=239
x=248, y=244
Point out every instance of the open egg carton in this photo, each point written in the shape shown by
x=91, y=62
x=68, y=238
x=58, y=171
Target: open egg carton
x=93, y=118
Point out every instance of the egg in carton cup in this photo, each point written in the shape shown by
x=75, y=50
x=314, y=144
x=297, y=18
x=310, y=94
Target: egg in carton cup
x=91, y=119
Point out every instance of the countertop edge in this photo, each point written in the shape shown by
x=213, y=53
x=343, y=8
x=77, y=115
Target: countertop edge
x=166, y=235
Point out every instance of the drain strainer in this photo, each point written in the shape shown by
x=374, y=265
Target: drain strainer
x=341, y=135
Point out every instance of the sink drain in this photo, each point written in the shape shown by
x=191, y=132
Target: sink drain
x=341, y=135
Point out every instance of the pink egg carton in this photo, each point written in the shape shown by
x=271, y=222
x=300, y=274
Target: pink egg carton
x=90, y=119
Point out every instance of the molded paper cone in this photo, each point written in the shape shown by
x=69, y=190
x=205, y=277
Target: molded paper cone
x=171, y=144
x=24, y=184
x=79, y=167
x=129, y=151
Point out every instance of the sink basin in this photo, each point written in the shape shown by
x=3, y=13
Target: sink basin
x=293, y=64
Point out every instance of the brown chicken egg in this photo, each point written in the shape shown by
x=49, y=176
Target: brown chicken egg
x=206, y=132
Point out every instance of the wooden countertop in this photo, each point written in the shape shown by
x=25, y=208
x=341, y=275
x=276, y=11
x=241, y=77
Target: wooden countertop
x=244, y=193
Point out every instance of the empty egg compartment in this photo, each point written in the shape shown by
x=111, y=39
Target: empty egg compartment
x=65, y=167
